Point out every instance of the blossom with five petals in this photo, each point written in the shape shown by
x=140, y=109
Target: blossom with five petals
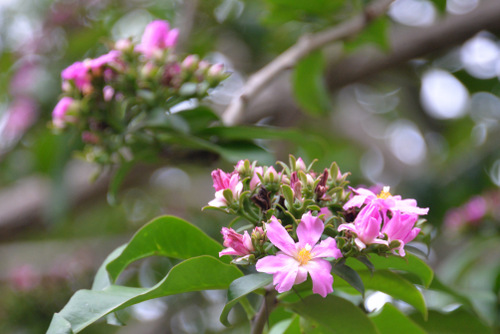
x=295, y=260
x=385, y=201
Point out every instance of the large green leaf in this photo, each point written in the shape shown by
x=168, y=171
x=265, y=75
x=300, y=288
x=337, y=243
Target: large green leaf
x=459, y=321
x=396, y=286
x=410, y=264
x=350, y=276
x=335, y=314
x=315, y=145
x=287, y=326
x=309, y=85
x=240, y=288
x=167, y=236
x=392, y=321
x=195, y=274
x=198, y=118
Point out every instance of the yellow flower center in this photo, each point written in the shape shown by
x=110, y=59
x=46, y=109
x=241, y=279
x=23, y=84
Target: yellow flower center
x=304, y=254
x=384, y=194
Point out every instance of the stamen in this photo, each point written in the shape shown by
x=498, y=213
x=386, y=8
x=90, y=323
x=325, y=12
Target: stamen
x=304, y=254
x=384, y=194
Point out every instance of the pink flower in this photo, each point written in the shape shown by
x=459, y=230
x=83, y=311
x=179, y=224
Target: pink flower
x=237, y=244
x=295, y=260
x=59, y=117
x=105, y=59
x=401, y=228
x=24, y=277
x=79, y=74
x=157, y=37
x=223, y=181
x=384, y=201
x=366, y=226
x=475, y=209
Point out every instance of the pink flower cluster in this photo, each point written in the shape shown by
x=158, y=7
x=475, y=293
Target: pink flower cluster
x=291, y=210
x=133, y=82
x=383, y=219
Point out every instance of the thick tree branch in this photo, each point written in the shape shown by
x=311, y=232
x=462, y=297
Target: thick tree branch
x=289, y=58
x=410, y=43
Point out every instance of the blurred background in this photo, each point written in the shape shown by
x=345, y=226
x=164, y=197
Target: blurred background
x=412, y=102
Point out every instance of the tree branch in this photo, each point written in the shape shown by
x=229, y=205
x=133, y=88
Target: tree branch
x=410, y=43
x=289, y=58
x=268, y=304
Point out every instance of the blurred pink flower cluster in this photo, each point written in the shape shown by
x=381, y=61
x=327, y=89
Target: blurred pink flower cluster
x=106, y=97
x=474, y=213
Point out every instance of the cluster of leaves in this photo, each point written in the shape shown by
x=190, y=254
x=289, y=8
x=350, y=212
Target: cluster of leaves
x=202, y=269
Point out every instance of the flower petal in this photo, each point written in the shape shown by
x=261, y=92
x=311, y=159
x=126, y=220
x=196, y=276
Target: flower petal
x=327, y=248
x=274, y=263
x=309, y=230
x=322, y=279
x=278, y=235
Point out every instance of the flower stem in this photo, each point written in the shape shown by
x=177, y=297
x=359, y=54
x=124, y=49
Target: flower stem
x=268, y=304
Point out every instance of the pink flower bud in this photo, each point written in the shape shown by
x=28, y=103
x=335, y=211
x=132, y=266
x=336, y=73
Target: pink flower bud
x=215, y=70
x=90, y=138
x=190, y=62
x=300, y=165
x=123, y=44
x=237, y=244
x=59, y=117
x=108, y=93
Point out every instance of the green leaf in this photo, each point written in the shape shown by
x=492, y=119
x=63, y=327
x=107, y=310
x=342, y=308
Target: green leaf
x=167, y=236
x=309, y=85
x=376, y=33
x=440, y=5
x=410, y=264
x=455, y=322
x=117, y=180
x=350, y=276
x=196, y=274
x=392, y=321
x=59, y=325
x=198, y=118
x=102, y=279
x=240, y=288
x=335, y=314
x=396, y=286
x=312, y=144
x=287, y=326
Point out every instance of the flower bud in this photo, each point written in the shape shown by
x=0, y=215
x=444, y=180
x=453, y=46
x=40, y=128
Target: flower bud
x=300, y=165
x=190, y=62
x=59, y=115
x=124, y=45
x=107, y=93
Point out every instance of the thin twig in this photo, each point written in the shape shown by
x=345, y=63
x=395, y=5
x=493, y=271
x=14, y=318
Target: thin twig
x=289, y=58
